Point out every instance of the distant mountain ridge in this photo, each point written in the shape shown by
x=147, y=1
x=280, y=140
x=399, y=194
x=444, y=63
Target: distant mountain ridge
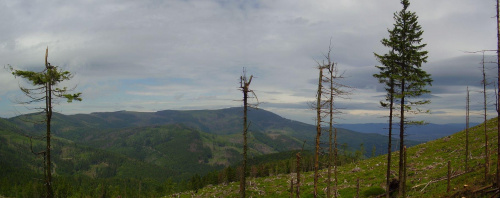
x=218, y=122
x=181, y=143
x=423, y=133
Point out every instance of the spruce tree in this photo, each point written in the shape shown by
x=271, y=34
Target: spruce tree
x=44, y=89
x=402, y=69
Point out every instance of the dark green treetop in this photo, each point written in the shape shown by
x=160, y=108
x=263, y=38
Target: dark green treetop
x=402, y=64
x=50, y=76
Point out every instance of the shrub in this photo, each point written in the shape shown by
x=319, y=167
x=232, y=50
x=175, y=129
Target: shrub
x=373, y=191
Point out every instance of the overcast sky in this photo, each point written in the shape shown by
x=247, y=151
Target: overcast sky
x=188, y=54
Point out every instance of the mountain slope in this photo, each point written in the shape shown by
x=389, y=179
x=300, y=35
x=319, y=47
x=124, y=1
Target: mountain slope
x=427, y=170
x=77, y=169
x=70, y=158
x=153, y=147
x=151, y=137
x=166, y=144
x=282, y=131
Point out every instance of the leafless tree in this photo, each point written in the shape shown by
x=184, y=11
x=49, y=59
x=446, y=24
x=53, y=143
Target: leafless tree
x=325, y=107
x=485, y=114
x=318, y=129
x=467, y=109
x=498, y=96
x=245, y=88
x=485, y=83
x=336, y=90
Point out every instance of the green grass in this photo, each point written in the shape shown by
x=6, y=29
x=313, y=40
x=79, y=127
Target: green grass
x=426, y=162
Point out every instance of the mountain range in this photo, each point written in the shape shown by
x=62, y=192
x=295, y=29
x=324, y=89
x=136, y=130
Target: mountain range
x=159, y=146
x=421, y=133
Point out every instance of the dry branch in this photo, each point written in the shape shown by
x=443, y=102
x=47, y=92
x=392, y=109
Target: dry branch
x=438, y=180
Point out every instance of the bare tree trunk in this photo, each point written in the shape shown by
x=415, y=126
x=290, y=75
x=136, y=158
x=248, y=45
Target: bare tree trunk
x=404, y=172
x=389, y=144
x=318, y=132
x=487, y=155
x=245, y=87
x=330, y=130
x=330, y=155
x=298, y=175
x=449, y=176
x=48, y=109
x=335, y=162
x=245, y=128
x=498, y=97
x=401, y=140
x=357, y=188
x=467, y=132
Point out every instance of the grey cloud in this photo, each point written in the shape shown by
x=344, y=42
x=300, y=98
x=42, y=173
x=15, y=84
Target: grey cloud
x=304, y=105
x=208, y=43
x=137, y=107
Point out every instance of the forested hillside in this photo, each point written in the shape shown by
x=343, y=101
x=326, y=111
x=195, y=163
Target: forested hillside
x=154, y=150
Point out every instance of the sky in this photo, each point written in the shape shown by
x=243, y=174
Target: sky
x=155, y=55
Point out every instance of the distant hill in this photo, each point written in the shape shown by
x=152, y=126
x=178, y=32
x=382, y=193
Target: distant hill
x=281, y=133
x=422, y=133
x=157, y=146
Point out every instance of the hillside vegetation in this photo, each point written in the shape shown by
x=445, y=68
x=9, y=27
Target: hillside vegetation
x=427, y=170
x=150, y=154
x=189, y=142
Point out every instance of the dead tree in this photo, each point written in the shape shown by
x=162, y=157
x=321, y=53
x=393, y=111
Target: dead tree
x=298, y=175
x=485, y=83
x=325, y=106
x=498, y=96
x=467, y=109
x=298, y=169
x=486, y=150
x=245, y=88
x=335, y=91
x=318, y=129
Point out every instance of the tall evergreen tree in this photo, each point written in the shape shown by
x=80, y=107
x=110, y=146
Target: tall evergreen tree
x=403, y=66
x=45, y=89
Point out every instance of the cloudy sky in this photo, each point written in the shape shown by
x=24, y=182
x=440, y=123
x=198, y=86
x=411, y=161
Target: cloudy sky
x=188, y=54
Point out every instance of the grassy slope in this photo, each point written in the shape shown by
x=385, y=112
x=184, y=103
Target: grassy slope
x=426, y=162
